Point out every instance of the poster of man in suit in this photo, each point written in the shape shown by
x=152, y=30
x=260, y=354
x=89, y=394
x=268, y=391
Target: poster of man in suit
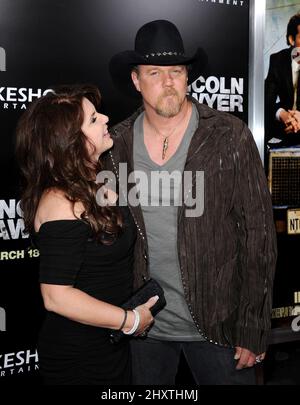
x=282, y=146
x=282, y=61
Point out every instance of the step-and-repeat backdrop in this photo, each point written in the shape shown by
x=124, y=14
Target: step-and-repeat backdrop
x=44, y=43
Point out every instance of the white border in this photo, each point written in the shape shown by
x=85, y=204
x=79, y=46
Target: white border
x=256, y=72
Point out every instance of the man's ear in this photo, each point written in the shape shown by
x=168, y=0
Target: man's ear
x=135, y=79
x=291, y=40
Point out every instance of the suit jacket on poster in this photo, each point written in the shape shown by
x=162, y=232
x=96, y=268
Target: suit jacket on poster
x=227, y=256
x=279, y=93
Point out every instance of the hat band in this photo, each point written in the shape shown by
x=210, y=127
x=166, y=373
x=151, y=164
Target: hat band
x=164, y=54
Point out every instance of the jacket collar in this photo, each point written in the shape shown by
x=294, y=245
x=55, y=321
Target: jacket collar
x=199, y=146
x=206, y=127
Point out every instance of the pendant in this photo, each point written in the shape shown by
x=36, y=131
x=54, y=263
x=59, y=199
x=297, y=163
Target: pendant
x=165, y=147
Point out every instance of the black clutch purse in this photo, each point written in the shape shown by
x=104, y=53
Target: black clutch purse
x=148, y=290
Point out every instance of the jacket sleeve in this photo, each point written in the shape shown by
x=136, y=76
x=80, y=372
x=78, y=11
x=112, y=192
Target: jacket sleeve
x=258, y=247
x=271, y=89
x=271, y=94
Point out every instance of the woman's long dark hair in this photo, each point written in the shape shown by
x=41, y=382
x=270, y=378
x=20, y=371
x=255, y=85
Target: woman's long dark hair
x=51, y=152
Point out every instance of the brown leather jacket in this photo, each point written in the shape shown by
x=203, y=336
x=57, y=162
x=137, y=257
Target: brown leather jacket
x=227, y=256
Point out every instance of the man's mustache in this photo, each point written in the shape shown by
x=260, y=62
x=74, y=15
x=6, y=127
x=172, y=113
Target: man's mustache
x=169, y=92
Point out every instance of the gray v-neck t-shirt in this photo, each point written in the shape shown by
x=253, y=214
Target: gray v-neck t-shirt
x=159, y=205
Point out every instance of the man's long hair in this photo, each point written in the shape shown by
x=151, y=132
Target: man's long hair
x=52, y=154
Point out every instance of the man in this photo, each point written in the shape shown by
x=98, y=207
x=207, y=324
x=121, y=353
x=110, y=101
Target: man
x=283, y=117
x=217, y=265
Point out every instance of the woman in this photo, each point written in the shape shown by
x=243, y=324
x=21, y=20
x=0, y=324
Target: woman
x=86, y=251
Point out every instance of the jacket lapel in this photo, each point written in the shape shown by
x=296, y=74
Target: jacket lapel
x=123, y=153
x=288, y=75
x=200, y=146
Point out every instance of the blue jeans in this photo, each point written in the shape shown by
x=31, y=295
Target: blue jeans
x=155, y=362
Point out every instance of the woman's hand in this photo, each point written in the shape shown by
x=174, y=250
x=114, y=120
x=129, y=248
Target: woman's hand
x=146, y=318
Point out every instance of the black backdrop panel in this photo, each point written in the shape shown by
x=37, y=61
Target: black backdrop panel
x=50, y=42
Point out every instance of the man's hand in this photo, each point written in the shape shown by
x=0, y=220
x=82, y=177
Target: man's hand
x=246, y=358
x=291, y=120
x=293, y=123
x=285, y=116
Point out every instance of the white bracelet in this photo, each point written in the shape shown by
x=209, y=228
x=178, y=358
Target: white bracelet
x=137, y=319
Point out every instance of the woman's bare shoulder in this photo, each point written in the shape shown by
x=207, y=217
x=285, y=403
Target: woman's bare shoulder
x=54, y=205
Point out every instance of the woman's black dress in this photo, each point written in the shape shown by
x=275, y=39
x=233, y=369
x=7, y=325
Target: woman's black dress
x=71, y=352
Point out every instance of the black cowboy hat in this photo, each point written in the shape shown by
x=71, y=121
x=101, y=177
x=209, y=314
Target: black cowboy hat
x=157, y=43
